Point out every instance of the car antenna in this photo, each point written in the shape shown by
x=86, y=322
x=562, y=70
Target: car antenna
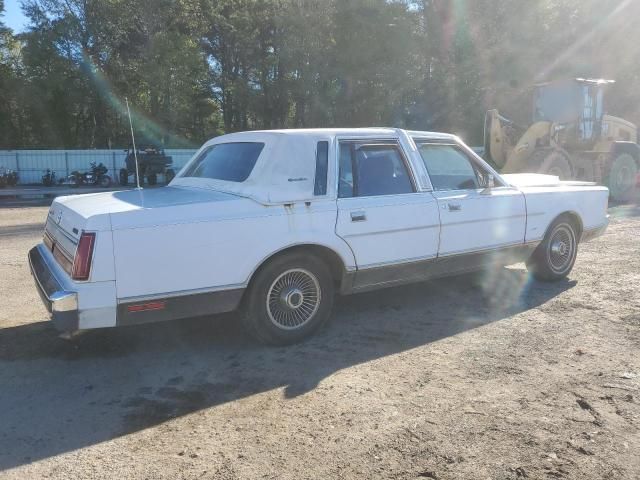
x=133, y=140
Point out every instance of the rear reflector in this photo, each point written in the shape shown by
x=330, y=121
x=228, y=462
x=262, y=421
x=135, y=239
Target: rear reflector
x=84, y=253
x=145, y=307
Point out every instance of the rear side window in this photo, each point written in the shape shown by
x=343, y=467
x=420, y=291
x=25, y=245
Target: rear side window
x=232, y=162
x=372, y=169
x=322, y=164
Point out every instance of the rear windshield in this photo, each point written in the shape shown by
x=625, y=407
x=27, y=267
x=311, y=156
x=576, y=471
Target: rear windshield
x=231, y=162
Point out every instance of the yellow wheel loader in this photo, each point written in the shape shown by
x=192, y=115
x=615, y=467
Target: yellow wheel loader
x=570, y=137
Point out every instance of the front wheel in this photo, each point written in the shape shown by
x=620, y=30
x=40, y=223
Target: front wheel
x=288, y=299
x=555, y=256
x=551, y=162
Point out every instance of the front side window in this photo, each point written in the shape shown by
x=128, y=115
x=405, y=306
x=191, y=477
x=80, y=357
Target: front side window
x=372, y=169
x=232, y=162
x=449, y=168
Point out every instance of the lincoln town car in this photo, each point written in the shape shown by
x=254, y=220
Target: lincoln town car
x=275, y=224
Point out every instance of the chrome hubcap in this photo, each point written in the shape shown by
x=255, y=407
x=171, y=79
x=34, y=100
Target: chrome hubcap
x=293, y=299
x=561, y=248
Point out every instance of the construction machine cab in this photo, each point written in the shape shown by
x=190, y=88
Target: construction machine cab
x=575, y=107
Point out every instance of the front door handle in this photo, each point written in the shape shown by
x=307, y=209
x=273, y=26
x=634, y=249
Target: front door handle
x=454, y=207
x=359, y=216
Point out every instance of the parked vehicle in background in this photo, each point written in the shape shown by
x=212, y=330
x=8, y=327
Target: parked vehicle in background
x=49, y=178
x=571, y=136
x=152, y=161
x=97, y=176
x=8, y=177
x=275, y=223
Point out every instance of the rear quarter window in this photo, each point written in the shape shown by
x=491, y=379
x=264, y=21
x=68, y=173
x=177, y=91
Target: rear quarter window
x=231, y=162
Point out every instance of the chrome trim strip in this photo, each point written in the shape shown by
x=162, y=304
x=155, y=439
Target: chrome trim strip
x=498, y=247
x=399, y=262
x=485, y=220
x=404, y=229
x=180, y=293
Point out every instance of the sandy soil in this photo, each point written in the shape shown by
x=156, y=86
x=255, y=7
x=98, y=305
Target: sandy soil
x=489, y=376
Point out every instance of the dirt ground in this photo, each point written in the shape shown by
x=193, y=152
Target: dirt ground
x=490, y=376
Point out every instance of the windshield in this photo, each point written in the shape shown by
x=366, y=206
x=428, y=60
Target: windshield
x=558, y=103
x=232, y=162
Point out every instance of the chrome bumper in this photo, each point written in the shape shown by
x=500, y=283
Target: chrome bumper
x=62, y=304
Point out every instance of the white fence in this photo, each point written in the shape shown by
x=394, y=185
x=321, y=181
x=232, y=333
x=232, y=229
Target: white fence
x=31, y=164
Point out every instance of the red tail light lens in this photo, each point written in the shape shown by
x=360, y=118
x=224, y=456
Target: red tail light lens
x=84, y=253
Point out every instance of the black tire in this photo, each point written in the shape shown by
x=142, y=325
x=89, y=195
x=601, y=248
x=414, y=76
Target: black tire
x=152, y=179
x=104, y=181
x=554, y=258
x=551, y=162
x=280, y=306
x=124, y=176
x=622, y=177
x=169, y=175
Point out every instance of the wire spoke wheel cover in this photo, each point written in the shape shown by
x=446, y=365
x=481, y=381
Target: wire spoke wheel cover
x=561, y=248
x=293, y=299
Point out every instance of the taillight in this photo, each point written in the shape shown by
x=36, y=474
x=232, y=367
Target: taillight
x=82, y=261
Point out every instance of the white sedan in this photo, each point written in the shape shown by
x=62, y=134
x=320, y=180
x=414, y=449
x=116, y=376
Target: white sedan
x=275, y=223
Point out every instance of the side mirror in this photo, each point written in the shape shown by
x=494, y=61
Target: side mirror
x=489, y=183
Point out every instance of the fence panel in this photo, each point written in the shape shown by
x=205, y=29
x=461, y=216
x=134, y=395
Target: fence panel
x=32, y=164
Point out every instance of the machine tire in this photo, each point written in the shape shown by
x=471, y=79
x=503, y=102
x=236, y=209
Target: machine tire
x=554, y=258
x=292, y=288
x=551, y=162
x=169, y=175
x=124, y=177
x=152, y=179
x=622, y=177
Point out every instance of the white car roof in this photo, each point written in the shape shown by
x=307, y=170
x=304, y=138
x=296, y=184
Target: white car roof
x=285, y=170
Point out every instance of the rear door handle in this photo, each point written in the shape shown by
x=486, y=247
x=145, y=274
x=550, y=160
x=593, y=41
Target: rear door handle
x=454, y=207
x=359, y=216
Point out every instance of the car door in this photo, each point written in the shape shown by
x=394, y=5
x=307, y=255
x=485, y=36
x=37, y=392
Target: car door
x=474, y=219
x=390, y=226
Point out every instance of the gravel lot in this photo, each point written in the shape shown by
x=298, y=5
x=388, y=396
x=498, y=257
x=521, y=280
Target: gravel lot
x=476, y=377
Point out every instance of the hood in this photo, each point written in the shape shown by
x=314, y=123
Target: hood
x=539, y=180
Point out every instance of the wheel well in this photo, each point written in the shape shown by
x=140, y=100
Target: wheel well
x=328, y=256
x=626, y=147
x=575, y=220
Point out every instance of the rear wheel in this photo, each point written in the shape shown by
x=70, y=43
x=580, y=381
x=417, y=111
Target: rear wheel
x=288, y=299
x=551, y=162
x=152, y=179
x=555, y=256
x=169, y=175
x=622, y=177
x=124, y=176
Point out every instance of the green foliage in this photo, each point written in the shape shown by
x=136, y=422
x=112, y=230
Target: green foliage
x=193, y=69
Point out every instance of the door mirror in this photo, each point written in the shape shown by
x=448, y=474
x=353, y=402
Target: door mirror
x=489, y=183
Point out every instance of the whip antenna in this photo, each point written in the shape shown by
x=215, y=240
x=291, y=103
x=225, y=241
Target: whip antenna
x=133, y=140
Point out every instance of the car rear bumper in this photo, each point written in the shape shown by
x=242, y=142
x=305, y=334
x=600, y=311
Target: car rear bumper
x=61, y=304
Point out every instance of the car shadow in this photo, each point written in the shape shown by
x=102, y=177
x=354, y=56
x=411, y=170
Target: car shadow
x=58, y=396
